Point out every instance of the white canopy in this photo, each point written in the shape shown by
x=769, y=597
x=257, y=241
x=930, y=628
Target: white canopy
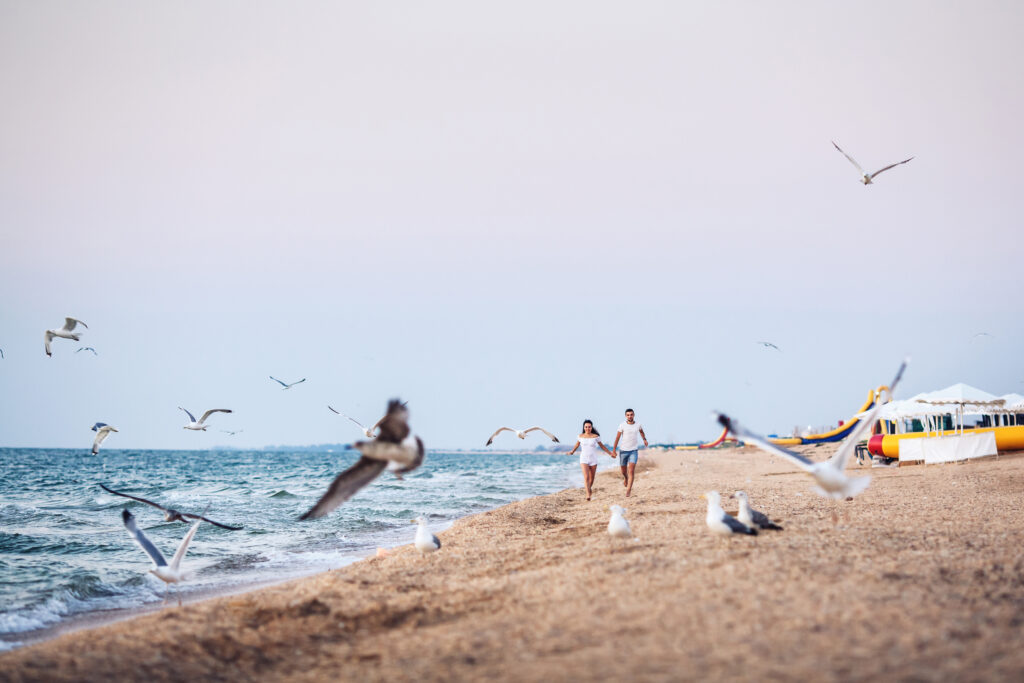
x=1014, y=403
x=960, y=394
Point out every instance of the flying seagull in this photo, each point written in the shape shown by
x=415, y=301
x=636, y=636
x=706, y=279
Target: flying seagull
x=752, y=517
x=230, y=433
x=102, y=430
x=200, y=425
x=769, y=345
x=287, y=386
x=1, y=353
x=87, y=348
x=521, y=433
x=867, y=178
x=395, y=449
x=829, y=475
x=721, y=523
x=170, y=514
x=168, y=573
x=65, y=332
x=368, y=432
x=617, y=525
x=425, y=542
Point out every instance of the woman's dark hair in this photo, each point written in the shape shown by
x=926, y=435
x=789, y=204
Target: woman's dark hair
x=593, y=429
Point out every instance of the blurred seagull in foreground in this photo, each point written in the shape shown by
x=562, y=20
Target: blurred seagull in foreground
x=200, y=424
x=287, y=386
x=170, y=514
x=867, y=178
x=425, y=542
x=721, y=523
x=368, y=432
x=521, y=433
x=618, y=526
x=168, y=573
x=65, y=332
x=752, y=517
x=396, y=449
x=829, y=475
x=102, y=430
x=87, y=348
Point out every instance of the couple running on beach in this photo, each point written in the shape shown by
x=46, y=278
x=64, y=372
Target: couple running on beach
x=590, y=440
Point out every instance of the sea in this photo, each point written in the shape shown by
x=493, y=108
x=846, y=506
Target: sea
x=65, y=554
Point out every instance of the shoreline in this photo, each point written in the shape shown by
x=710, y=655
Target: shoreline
x=918, y=577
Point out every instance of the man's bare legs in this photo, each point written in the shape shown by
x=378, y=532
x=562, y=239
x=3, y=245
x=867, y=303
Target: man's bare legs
x=628, y=473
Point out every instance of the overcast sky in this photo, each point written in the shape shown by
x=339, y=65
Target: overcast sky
x=518, y=215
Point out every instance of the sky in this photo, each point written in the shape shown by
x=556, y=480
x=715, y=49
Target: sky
x=512, y=216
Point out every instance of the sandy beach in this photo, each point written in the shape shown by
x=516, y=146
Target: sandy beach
x=919, y=578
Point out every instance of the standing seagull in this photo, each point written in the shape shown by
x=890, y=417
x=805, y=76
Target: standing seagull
x=721, y=523
x=425, y=542
x=867, y=178
x=64, y=332
x=199, y=425
x=618, y=527
x=102, y=430
x=521, y=433
x=829, y=475
x=752, y=517
x=395, y=449
x=170, y=514
x=287, y=386
x=368, y=432
x=168, y=573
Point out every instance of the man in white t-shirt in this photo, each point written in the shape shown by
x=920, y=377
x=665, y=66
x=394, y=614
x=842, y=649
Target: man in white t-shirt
x=628, y=432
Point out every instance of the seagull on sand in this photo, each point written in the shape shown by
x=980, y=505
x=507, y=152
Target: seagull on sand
x=720, y=522
x=829, y=475
x=368, y=432
x=170, y=514
x=287, y=386
x=87, y=348
x=102, y=430
x=200, y=424
x=425, y=542
x=396, y=449
x=618, y=527
x=752, y=517
x=521, y=433
x=65, y=332
x=769, y=345
x=168, y=573
x=867, y=178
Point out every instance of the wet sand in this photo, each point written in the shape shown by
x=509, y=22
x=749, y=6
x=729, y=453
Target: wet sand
x=919, y=578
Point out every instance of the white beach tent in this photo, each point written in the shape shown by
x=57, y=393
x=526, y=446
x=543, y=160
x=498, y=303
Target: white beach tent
x=963, y=399
x=1013, y=404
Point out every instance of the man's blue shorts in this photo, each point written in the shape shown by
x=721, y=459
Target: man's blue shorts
x=627, y=457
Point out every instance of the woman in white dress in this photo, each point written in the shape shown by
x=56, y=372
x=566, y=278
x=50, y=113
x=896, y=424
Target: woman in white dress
x=588, y=443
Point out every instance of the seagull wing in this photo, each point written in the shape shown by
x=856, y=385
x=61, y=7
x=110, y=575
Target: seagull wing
x=190, y=415
x=890, y=166
x=100, y=436
x=69, y=324
x=210, y=521
x=210, y=412
x=183, y=548
x=550, y=435
x=394, y=426
x=842, y=456
x=357, y=422
x=125, y=495
x=848, y=157
x=764, y=444
x=500, y=430
x=279, y=381
x=299, y=382
x=736, y=526
x=345, y=485
x=49, y=338
x=140, y=538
